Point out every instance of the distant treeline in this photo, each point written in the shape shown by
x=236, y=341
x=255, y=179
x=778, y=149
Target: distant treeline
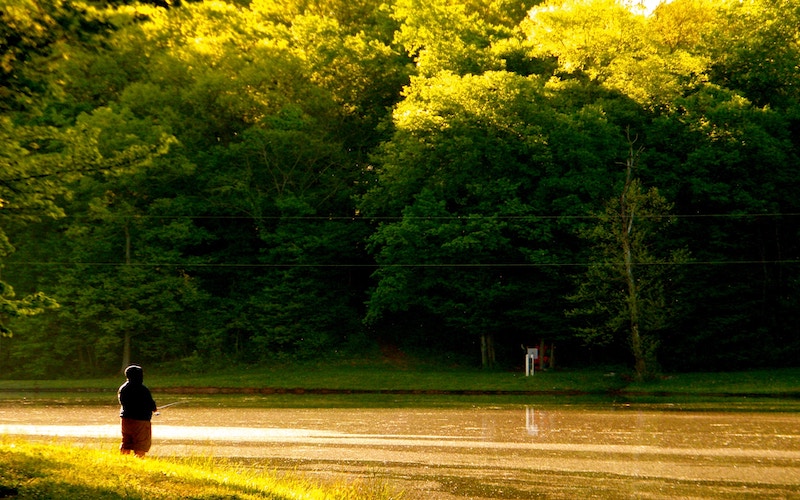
x=205, y=183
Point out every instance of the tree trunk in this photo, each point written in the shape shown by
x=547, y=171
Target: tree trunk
x=627, y=213
x=541, y=355
x=126, y=351
x=126, y=342
x=487, y=350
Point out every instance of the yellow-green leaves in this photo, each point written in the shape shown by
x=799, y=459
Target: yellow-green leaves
x=649, y=59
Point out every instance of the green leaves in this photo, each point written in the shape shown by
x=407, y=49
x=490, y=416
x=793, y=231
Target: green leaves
x=30, y=305
x=624, y=289
x=239, y=180
x=755, y=49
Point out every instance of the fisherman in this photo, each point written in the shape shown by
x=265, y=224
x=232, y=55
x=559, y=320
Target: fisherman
x=137, y=408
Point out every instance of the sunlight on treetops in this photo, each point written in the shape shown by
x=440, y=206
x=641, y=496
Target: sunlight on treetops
x=645, y=7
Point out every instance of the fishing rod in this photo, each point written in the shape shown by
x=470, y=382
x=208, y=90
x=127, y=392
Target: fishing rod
x=167, y=406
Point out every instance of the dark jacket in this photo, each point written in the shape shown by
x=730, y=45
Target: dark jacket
x=135, y=399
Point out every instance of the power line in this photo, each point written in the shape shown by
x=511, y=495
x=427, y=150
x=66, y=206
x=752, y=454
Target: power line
x=417, y=265
x=423, y=217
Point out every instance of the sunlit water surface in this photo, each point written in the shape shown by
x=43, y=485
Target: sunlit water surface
x=507, y=451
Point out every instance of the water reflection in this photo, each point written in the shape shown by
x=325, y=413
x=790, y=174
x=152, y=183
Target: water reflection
x=503, y=424
x=532, y=417
x=624, y=447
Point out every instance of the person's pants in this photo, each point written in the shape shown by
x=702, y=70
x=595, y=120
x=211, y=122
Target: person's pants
x=136, y=436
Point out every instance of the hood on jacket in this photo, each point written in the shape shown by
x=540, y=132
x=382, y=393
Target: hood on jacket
x=135, y=374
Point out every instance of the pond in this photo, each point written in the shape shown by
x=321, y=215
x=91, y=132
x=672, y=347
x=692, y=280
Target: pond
x=509, y=451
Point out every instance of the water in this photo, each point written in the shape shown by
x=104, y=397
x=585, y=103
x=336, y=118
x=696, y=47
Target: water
x=502, y=451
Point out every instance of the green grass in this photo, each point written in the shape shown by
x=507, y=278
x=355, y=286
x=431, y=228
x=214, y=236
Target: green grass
x=389, y=378
x=71, y=472
x=373, y=384
x=755, y=382
x=361, y=385
x=345, y=376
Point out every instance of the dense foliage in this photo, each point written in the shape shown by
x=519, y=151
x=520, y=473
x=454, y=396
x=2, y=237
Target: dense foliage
x=243, y=181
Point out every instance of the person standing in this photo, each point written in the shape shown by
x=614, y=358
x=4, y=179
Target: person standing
x=136, y=409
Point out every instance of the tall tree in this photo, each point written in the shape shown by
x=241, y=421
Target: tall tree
x=730, y=174
x=129, y=278
x=456, y=36
x=625, y=288
x=755, y=49
x=36, y=36
x=274, y=179
x=27, y=191
x=455, y=198
x=605, y=42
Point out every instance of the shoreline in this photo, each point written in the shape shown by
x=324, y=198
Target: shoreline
x=421, y=392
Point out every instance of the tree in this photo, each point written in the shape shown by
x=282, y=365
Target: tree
x=360, y=66
x=456, y=197
x=35, y=37
x=260, y=123
x=604, y=42
x=728, y=164
x=588, y=37
x=482, y=132
x=36, y=162
x=755, y=49
x=626, y=284
x=32, y=170
x=129, y=277
x=454, y=36
x=40, y=165
x=292, y=192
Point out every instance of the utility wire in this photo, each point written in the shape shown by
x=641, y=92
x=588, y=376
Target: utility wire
x=419, y=265
x=424, y=217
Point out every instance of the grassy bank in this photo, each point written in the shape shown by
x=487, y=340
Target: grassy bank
x=30, y=470
x=421, y=379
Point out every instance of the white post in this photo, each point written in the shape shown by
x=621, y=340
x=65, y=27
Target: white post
x=530, y=361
